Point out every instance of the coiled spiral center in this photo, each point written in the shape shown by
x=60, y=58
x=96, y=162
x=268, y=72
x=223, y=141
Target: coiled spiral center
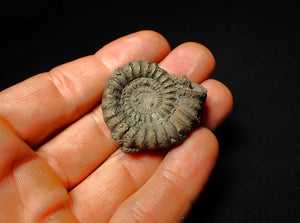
x=143, y=96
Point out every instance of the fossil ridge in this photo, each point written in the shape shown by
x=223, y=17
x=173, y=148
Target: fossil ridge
x=146, y=108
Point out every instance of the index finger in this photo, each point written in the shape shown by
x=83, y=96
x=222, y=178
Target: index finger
x=46, y=103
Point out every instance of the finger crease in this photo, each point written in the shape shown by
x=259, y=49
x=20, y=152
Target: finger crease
x=175, y=180
x=127, y=171
x=98, y=118
x=105, y=65
x=139, y=213
x=61, y=173
x=62, y=83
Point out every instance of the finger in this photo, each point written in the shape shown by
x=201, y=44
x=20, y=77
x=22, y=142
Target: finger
x=218, y=105
x=105, y=189
x=123, y=174
x=39, y=106
x=77, y=151
x=29, y=189
x=191, y=59
x=167, y=196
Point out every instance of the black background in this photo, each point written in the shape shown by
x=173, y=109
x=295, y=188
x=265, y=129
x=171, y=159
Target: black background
x=257, y=53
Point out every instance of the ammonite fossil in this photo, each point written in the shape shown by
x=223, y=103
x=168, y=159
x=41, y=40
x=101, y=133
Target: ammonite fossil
x=147, y=108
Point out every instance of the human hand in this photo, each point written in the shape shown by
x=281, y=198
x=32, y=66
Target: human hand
x=58, y=162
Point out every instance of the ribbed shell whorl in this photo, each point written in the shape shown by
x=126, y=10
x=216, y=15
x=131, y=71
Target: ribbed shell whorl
x=146, y=108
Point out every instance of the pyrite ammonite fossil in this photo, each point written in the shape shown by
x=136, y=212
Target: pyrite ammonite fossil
x=146, y=108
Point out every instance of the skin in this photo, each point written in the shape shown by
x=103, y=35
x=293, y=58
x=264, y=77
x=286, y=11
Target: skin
x=58, y=162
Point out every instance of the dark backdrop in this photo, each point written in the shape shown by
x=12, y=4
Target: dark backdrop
x=257, y=52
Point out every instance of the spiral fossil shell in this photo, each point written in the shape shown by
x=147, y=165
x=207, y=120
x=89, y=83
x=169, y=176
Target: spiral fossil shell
x=147, y=108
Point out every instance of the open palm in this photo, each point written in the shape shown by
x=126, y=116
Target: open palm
x=58, y=162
